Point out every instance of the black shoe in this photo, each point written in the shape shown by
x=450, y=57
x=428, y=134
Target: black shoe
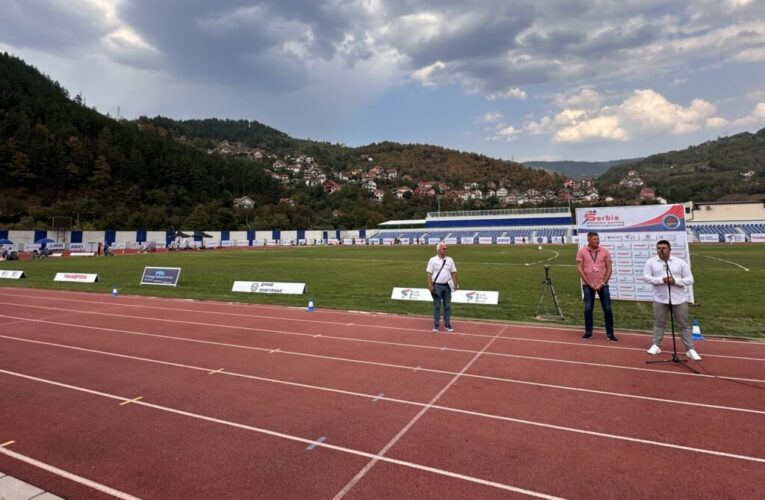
x=612, y=338
x=587, y=336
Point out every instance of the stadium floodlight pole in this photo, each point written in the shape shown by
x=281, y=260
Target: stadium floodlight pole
x=674, y=358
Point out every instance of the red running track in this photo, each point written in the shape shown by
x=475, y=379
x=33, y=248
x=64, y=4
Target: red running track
x=162, y=398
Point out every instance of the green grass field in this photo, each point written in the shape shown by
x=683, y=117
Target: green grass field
x=728, y=298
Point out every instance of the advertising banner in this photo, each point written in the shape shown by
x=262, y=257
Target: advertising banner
x=503, y=240
x=165, y=276
x=268, y=287
x=450, y=241
x=458, y=297
x=11, y=275
x=734, y=238
x=630, y=234
x=484, y=240
x=434, y=241
x=467, y=240
x=709, y=238
x=757, y=237
x=76, y=277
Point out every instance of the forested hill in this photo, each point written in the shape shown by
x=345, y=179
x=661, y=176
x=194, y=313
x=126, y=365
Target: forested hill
x=730, y=168
x=419, y=161
x=578, y=169
x=59, y=157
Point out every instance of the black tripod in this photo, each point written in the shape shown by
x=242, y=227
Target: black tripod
x=674, y=358
x=549, y=286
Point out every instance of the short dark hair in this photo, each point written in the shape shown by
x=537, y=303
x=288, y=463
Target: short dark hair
x=663, y=242
x=591, y=233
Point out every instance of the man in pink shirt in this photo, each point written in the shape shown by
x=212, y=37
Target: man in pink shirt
x=594, y=265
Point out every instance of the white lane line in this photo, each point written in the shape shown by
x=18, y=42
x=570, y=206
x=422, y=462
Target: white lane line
x=380, y=364
x=219, y=370
x=722, y=260
x=381, y=454
x=288, y=437
x=68, y=475
x=371, y=455
x=398, y=344
x=7, y=443
x=332, y=337
x=316, y=443
x=524, y=326
x=378, y=397
x=395, y=400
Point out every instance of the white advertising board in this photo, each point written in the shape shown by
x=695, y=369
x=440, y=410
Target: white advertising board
x=734, y=238
x=757, y=237
x=458, y=297
x=11, y=275
x=709, y=238
x=467, y=240
x=630, y=234
x=484, y=240
x=76, y=277
x=503, y=240
x=450, y=241
x=269, y=287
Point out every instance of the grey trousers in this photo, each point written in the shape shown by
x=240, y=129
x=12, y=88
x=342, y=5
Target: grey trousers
x=680, y=313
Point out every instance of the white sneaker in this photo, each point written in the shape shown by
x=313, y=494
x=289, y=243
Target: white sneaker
x=435, y=330
x=691, y=353
x=654, y=349
x=449, y=329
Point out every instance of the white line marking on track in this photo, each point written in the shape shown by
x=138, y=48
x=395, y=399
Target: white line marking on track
x=372, y=363
x=68, y=475
x=363, y=472
x=371, y=455
x=134, y=400
x=219, y=370
x=289, y=437
x=378, y=397
x=400, y=344
x=273, y=351
x=302, y=320
x=7, y=443
x=415, y=369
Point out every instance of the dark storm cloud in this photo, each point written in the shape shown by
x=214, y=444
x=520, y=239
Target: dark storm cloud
x=48, y=24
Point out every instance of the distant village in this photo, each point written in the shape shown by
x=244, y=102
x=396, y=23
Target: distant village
x=303, y=170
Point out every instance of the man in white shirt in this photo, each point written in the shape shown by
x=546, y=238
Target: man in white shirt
x=442, y=279
x=669, y=276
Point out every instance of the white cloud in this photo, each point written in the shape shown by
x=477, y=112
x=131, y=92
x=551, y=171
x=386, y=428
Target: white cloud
x=643, y=113
x=512, y=93
x=504, y=132
x=491, y=116
x=756, y=116
x=751, y=55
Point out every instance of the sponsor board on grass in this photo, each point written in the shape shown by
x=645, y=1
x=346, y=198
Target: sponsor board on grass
x=268, y=287
x=166, y=276
x=76, y=277
x=458, y=296
x=11, y=275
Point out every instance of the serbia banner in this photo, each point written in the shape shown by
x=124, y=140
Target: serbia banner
x=631, y=234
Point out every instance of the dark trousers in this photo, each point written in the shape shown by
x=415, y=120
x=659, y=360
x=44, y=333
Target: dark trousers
x=589, y=305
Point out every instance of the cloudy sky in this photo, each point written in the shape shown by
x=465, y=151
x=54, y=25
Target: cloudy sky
x=525, y=80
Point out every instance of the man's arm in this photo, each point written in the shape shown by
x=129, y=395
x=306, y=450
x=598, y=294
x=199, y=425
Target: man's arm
x=580, y=268
x=454, y=280
x=609, y=269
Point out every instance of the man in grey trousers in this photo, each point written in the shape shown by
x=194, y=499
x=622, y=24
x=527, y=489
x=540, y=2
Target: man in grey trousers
x=669, y=276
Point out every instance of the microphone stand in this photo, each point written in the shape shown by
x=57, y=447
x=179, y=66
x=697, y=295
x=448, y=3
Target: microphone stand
x=674, y=359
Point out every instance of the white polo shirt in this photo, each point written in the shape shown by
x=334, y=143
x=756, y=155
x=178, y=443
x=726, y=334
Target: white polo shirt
x=655, y=272
x=434, y=265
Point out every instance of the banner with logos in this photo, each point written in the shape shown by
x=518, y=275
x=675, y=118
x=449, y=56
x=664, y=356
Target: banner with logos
x=484, y=240
x=734, y=238
x=458, y=297
x=630, y=234
x=434, y=241
x=11, y=275
x=165, y=276
x=76, y=277
x=268, y=287
x=757, y=237
x=503, y=240
x=467, y=240
x=450, y=241
x=709, y=238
